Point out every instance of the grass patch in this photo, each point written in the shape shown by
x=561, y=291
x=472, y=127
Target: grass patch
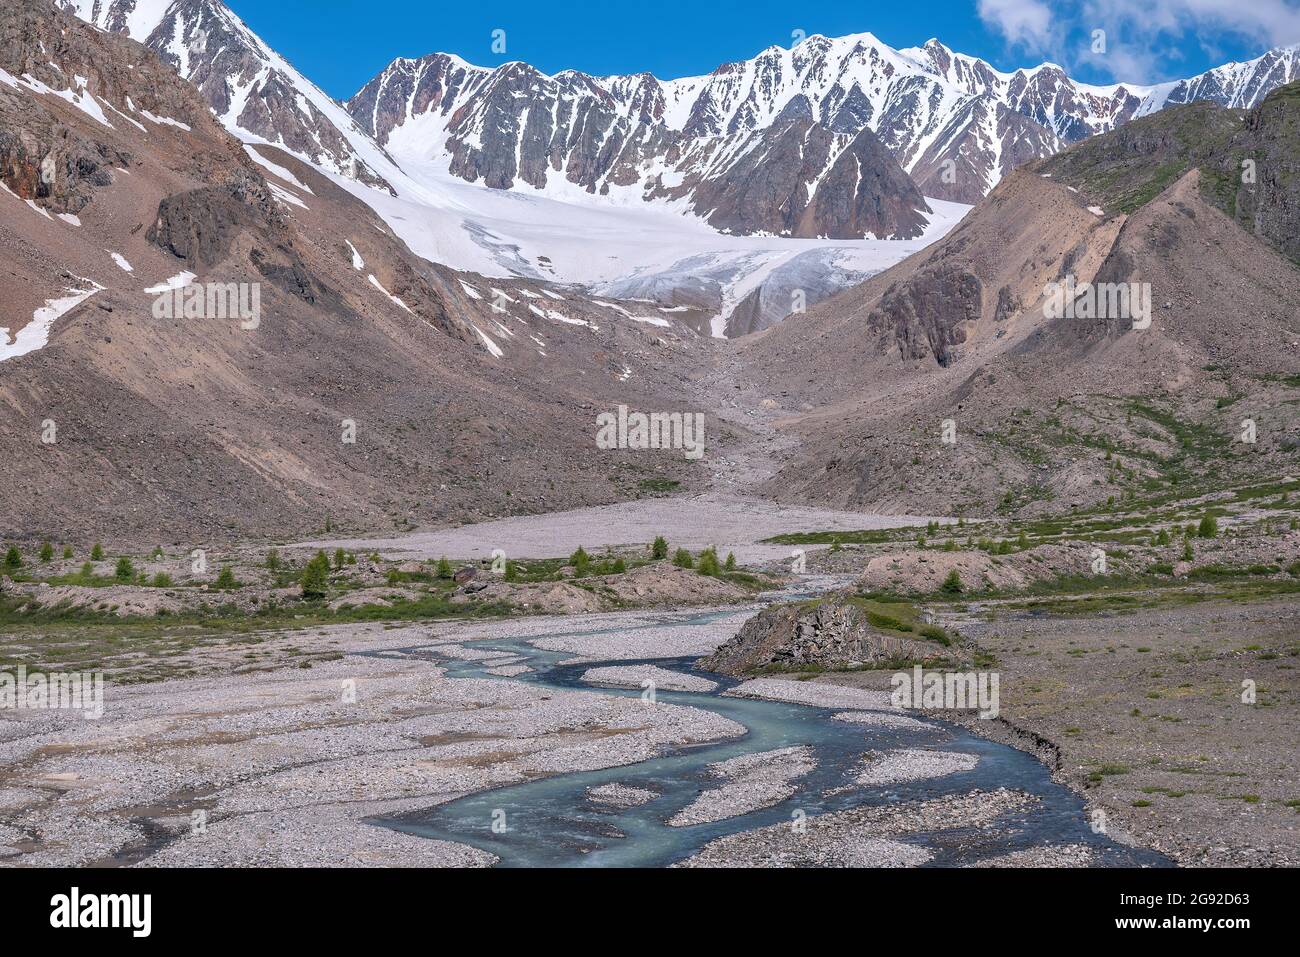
x=658, y=486
x=60, y=637
x=873, y=536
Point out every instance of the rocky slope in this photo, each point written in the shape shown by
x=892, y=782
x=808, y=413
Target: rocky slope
x=1045, y=413
x=1247, y=163
x=1269, y=145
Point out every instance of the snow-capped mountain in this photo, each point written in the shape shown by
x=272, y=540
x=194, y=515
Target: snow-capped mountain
x=955, y=123
x=799, y=163
x=253, y=90
x=637, y=137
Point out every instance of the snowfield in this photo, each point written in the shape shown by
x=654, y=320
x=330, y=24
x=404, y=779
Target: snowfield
x=276, y=169
x=622, y=249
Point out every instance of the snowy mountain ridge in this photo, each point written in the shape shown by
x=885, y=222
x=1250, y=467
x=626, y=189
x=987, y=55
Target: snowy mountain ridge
x=956, y=124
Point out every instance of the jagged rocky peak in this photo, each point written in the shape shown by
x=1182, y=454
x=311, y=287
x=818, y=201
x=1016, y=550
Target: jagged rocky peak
x=797, y=178
x=433, y=83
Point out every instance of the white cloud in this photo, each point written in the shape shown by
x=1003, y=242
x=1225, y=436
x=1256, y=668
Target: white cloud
x=1144, y=38
x=1025, y=23
x=1274, y=22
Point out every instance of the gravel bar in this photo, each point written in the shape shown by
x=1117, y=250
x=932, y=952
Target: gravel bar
x=812, y=693
x=635, y=676
x=880, y=719
x=621, y=796
x=909, y=764
x=751, y=782
x=853, y=838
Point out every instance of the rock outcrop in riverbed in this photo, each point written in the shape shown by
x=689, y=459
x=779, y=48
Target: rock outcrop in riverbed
x=841, y=631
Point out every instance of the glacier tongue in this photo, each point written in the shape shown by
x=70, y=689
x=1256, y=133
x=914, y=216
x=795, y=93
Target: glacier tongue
x=631, y=250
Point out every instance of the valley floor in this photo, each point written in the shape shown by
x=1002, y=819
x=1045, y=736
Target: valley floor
x=249, y=726
x=731, y=523
x=292, y=761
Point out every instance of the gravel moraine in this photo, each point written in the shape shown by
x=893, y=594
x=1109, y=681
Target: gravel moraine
x=852, y=838
x=634, y=676
x=750, y=782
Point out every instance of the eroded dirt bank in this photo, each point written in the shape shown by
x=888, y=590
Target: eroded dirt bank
x=1144, y=713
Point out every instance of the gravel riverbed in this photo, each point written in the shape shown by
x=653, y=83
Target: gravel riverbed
x=731, y=523
x=285, y=768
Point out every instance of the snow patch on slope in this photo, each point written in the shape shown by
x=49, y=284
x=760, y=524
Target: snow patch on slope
x=491, y=346
x=380, y=286
x=286, y=196
x=36, y=334
x=276, y=169
x=178, y=281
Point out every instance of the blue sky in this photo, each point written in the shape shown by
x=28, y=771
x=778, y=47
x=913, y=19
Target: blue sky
x=340, y=44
